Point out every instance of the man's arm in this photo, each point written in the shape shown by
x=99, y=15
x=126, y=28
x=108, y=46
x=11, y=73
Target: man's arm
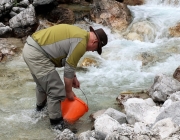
x=68, y=87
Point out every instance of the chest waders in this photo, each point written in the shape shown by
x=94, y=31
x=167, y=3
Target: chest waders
x=46, y=77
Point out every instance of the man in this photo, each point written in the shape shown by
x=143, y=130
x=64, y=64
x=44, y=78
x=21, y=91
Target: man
x=58, y=46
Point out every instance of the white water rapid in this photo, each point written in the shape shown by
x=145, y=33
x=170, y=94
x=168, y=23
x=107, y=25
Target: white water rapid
x=124, y=65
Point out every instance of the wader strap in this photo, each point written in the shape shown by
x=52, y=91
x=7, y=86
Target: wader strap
x=33, y=43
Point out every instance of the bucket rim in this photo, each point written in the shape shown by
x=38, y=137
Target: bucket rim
x=78, y=99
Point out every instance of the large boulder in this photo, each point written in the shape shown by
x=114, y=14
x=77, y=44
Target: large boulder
x=61, y=15
x=172, y=112
x=143, y=31
x=106, y=124
x=175, y=31
x=9, y=47
x=139, y=110
x=24, y=18
x=41, y=2
x=69, y=1
x=133, y=2
x=165, y=128
x=5, y=31
x=115, y=114
x=111, y=13
x=5, y=7
x=24, y=23
x=163, y=87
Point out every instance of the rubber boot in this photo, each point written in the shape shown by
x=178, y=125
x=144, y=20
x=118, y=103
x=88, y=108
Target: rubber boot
x=40, y=107
x=60, y=124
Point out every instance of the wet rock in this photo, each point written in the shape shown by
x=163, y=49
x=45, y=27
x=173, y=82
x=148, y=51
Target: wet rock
x=175, y=31
x=81, y=11
x=141, y=128
x=165, y=128
x=139, y=110
x=66, y=135
x=5, y=31
x=61, y=15
x=12, y=14
x=134, y=36
x=93, y=116
x=88, y=62
x=105, y=124
x=124, y=132
x=24, y=18
x=17, y=9
x=176, y=74
x=23, y=3
x=92, y=135
x=125, y=95
x=41, y=2
x=9, y=47
x=173, y=98
x=69, y=1
x=117, y=136
x=24, y=32
x=170, y=2
x=45, y=9
x=85, y=135
x=5, y=7
x=163, y=87
x=133, y=2
x=147, y=58
x=171, y=112
x=143, y=31
x=98, y=135
x=111, y=13
x=117, y=115
x=24, y=23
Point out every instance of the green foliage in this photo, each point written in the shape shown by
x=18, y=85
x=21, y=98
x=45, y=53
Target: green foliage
x=15, y=2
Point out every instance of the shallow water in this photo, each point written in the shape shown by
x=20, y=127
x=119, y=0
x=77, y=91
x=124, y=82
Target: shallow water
x=119, y=69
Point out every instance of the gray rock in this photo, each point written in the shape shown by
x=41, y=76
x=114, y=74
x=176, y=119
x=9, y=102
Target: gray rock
x=165, y=128
x=85, y=135
x=163, y=87
x=41, y=2
x=4, y=29
x=24, y=3
x=173, y=112
x=12, y=14
x=66, y=135
x=2, y=2
x=117, y=115
x=24, y=18
x=139, y=110
x=105, y=124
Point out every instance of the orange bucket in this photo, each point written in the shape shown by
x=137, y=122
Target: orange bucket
x=73, y=110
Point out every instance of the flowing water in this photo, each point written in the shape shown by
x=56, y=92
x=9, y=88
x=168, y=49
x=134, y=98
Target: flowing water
x=124, y=65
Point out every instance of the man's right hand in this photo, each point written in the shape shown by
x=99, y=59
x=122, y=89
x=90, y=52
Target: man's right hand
x=70, y=95
x=68, y=87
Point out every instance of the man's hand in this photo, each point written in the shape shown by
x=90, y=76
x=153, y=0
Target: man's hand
x=68, y=87
x=70, y=95
x=75, y=83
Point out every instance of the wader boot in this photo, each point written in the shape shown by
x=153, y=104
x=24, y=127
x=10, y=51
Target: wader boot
x=60, y=124
x=41, y=106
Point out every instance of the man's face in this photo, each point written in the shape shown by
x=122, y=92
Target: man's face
x=94, y=44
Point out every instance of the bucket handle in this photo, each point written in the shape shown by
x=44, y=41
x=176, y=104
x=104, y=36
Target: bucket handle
x=85, y=96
